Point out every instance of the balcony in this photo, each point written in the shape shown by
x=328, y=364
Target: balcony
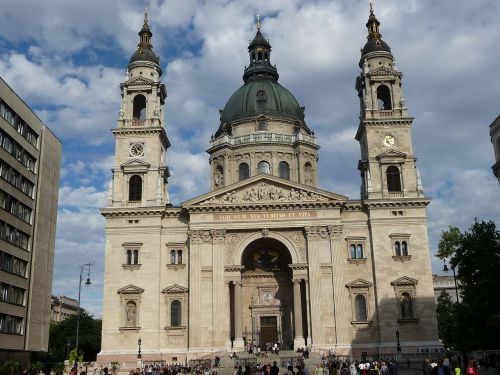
x=263, y=137
x=396, y=194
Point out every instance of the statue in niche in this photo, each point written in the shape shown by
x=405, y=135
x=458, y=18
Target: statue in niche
x=406, y=312
x=219, y=179
x=308, y=174
x=131, y=314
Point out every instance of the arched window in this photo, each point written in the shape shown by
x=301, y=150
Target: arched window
x=135, y=188
x=397, y=248
x=179, y=256
x=139, y=107
x=261, y=96
x=175, y=313
x=129, y=257
x=359, y=251
x=172, y=256
x=360, y=306
x=352, y=250
x=284, y=170
x=404, y=248
x=406, y=306
x=244, y=171
x=393, y=178
x=384, y=98
x=263, y=167
x=136, y=256
x=259, y=56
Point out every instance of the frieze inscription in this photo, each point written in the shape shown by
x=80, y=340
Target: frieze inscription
x=265, y=216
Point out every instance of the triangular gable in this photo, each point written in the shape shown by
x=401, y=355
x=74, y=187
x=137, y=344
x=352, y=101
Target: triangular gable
x=265, y=189
x=130, y=289
x=175, y=289
x=391, y=154
x=405, y=280
x=359, y=283
x=383, y=71
x=135, y=165
x=138, y=81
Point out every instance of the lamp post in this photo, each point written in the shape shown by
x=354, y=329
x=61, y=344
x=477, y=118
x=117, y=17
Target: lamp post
x=139, y=342
x=398, y=348
x=445, y=269
x=82, y=267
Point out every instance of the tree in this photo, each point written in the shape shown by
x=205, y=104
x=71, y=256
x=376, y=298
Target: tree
x=64, y=332
x=446, y=316
x=475, y=255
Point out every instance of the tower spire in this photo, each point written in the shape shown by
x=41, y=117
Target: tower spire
x=258, y=22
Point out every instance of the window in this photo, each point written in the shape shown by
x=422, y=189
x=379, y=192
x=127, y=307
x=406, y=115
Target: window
x=129, y=256
x=404, y=248
x=284, y=170
x=179, y=256
x=360, y=307
x=139, y=107
x=10, y=263
x=136, y=257
x=263, y=167
x=172, y=256
x=135, y=188
x=11, y=294
x=14, y=236
x=359, y=290
x=397, y=248
x=393, y=178
x=175, y=313
x=400, y=245
x=262, y=126
x=244, y=171
x=308, y=174
x=261, y=96
x=11, y=324
x=384, y=98
x=356, y=251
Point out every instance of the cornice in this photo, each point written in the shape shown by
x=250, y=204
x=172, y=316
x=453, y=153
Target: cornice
x=240, y=146
x=281, y=206
x=133, y=211
x=392, y=203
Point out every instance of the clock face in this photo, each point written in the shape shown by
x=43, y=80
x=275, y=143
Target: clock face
x=388, y=141
x=137, y=149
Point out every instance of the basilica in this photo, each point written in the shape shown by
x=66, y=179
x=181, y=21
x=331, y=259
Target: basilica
x=266, y=255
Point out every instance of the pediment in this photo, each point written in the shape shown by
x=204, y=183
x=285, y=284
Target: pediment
x=391, y=154
x=382, y=71
x=405, y=280
x=135, y=164
x=359, y=283
x=138, y=81
x=265, y=189
x=175, y=289
x=130, y=289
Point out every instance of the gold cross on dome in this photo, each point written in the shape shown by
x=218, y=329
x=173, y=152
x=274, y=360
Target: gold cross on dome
x=258, y=22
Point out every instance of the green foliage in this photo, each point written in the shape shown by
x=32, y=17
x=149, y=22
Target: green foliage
x=475, y=255
x=446, y=315
x=72, y=356
x=63, y=332
x=114, y=366
x=12, y=366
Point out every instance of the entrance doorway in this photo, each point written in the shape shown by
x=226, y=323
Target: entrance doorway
x=268, y=330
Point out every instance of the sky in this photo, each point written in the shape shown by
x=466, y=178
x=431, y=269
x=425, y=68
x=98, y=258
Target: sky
x=66, y=59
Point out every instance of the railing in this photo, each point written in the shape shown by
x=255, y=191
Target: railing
x=263, y=137
x=134, y=203
x=397, y=194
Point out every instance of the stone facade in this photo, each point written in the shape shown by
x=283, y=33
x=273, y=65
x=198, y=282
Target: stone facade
x=266, y=255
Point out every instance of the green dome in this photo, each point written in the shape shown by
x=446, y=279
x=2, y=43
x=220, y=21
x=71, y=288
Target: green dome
x=262, y=97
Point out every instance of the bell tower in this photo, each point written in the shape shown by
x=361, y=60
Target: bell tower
x=140, y=173
x=388, y=165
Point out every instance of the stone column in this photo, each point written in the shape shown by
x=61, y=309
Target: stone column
x=238, y=326
x=339, y=290
x=219, y=297
x=195, y=243
x=298, y=340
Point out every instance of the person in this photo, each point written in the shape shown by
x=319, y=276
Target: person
x=457, y=369
x=352, y=369
x=440, y=369
x=318, y=370
x=290, y=370
x=274, y=369
x=426, y=367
